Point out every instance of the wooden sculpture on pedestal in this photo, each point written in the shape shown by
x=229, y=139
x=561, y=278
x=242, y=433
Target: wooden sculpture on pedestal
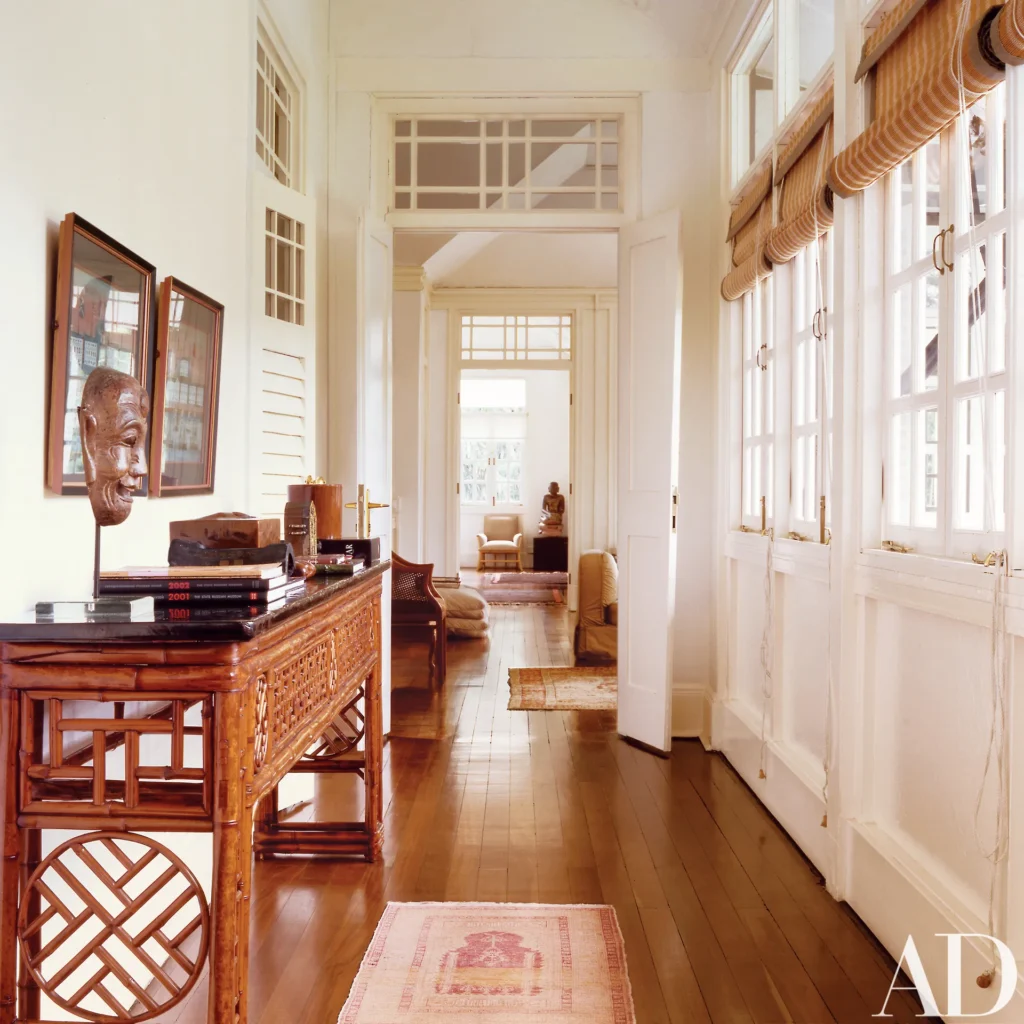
x=112, y=419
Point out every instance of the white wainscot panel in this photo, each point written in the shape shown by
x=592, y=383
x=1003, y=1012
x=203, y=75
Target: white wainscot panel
x=748, y=616
x=928, y=685
x=802, y=609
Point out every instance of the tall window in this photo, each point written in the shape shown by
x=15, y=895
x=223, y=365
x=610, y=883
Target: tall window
x=946, y=380
x=812, y=383
x=493, y=440
x=277, y=113
x=753, y=98
x=285, y=268
x=758, y=402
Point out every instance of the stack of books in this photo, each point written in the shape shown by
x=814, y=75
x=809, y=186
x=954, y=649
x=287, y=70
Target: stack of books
x=339, y=565
x=204, y=591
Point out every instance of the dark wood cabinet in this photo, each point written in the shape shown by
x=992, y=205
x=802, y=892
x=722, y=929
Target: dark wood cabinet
x=551, y=554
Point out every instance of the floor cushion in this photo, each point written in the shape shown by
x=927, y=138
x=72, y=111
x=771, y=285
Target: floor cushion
x=467, y=611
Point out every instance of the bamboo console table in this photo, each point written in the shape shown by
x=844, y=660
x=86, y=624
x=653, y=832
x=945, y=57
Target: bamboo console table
x=112, y=729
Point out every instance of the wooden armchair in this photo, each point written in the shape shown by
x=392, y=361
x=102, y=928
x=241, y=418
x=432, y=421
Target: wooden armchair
x=502, y=542
x=416, y=605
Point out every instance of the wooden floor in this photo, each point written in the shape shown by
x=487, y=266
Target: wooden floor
x=723, y=918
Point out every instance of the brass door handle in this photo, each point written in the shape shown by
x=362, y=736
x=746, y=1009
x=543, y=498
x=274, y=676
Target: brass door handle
x=948, y=231
x=935, y=241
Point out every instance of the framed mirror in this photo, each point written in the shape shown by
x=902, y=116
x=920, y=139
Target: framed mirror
x=183, y=449
x=103, y=316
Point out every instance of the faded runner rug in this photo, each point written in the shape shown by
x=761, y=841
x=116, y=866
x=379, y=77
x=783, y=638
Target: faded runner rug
x=503, y=963
x=581, y=688
x=524, y=587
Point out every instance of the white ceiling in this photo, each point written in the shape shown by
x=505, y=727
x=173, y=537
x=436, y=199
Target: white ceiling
x=626, y=29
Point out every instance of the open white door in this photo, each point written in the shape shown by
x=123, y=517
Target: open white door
x=283, y=343
x=650, y=344
x=373, y=459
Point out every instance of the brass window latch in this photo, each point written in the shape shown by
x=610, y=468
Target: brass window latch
x=991, y=559
x=899, y=549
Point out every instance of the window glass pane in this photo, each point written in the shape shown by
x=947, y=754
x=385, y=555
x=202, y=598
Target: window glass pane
x=998, y=435
x=762, y=98
x=903, y=222
x=926, y=489
x=902, y=333
x=928, y=162
x=897, y=477
x=928, y=334
x=817, y=37
x=970, y=465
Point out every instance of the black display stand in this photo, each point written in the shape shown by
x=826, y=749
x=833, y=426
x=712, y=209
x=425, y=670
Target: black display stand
x=551, y=554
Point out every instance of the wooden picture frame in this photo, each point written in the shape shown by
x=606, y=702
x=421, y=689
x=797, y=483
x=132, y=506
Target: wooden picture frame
x=186, y=393
x=103, y=316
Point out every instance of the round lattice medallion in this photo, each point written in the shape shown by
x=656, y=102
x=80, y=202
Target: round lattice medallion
x=114, y=927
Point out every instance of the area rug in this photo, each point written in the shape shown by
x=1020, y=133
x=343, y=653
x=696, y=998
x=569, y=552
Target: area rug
x=525, y=587
x=503, y=963
x=580, y=688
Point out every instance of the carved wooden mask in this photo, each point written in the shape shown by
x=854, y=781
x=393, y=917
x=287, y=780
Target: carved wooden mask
x=112, y=419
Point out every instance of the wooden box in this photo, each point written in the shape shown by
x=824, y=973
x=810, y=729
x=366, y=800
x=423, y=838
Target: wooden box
x=228, y=530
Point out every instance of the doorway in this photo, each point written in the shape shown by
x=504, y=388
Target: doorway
x=514, y=445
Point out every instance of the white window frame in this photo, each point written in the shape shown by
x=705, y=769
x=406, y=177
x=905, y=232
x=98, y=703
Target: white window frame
x=948, y=537
x=758, y=403
x=516, y=329
x=740, y=113
x=388, y=109
x=269, y=39
x=811, y=355
x=492, y=481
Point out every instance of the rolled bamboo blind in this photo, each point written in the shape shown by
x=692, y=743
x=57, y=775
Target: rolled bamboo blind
x=750, y=202
x=805, y=202
x=1005, y=34
x=750, y=261
x=917, y=84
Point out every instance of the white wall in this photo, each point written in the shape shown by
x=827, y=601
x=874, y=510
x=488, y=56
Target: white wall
x=102, y=137
x=142, y=123
x=409, y=384
x=540, y=260
x=545, y=455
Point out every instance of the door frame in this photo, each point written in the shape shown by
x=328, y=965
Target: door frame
x=513, y=302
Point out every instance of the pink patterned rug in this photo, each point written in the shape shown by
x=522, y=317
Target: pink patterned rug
x=504, y=963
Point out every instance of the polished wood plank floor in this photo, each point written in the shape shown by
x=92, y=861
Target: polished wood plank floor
x=724, y=920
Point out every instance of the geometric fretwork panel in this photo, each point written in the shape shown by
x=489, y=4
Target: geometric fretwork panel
x=114, y=927
x=288, y=696
x=137, y=758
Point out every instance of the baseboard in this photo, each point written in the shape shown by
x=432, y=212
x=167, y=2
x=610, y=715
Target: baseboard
x=896, y=894
x=691, y=715
x=788, y=789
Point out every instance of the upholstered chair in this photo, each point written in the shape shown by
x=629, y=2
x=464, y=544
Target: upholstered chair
x=500, y=546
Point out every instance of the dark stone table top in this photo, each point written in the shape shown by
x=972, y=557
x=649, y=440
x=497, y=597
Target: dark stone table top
x=163, y=627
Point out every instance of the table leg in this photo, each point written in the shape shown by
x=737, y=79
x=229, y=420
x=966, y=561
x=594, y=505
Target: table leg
x=31, y=855
x=374, y=755
x=10, y=865
x=232, y=867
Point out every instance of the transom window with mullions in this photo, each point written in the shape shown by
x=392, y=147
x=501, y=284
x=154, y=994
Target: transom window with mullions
x=517, y=337
x=947, y=376
x=506, y=163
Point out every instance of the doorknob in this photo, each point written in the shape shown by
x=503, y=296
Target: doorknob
x=364, y=507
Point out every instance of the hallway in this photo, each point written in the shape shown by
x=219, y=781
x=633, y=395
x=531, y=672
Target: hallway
x=723, y=919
